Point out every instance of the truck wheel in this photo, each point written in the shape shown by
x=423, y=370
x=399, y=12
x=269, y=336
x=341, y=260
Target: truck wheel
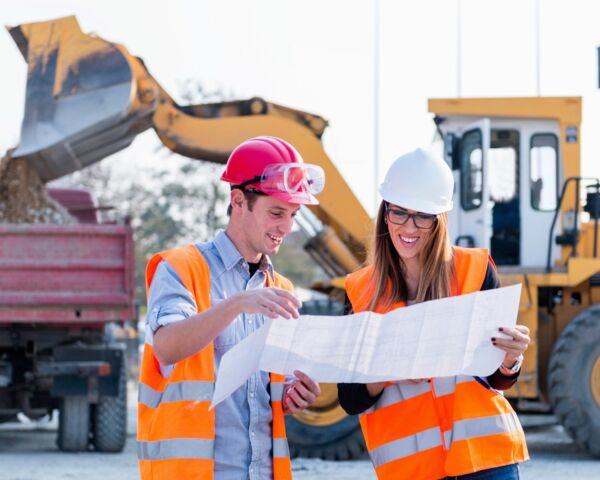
x=574, y=379
x=110, y=417
x=74, y=424
x=324, y=430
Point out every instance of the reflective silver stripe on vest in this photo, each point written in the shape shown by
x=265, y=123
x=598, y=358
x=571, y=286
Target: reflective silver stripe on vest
x=399, y=392
x=480, y=427
x=277, y=391
x=176, y=392
x=179, y=448
x=447, y=385
x=444, y=386
x=406, y=446
x=280, y=448
x=448, y=439
x=396, y=393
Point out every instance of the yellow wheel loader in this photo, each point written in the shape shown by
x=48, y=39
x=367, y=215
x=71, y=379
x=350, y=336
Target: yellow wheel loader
x=519, y=193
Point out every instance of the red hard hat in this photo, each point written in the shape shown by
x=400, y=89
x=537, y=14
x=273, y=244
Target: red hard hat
x=250, y=159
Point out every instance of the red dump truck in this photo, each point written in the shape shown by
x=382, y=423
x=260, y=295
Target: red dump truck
x=62, y=288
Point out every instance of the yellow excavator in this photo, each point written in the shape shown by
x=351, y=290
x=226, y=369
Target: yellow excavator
x=518, y=193
x=87, y=98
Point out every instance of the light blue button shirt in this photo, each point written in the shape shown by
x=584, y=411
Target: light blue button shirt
x=243, y=439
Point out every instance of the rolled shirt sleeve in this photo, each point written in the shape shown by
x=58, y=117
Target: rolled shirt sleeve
x=168, y=302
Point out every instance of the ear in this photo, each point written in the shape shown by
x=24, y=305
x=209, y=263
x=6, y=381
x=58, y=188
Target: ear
x=237, y=198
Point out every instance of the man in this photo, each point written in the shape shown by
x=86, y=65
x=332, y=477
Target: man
x=202, y=300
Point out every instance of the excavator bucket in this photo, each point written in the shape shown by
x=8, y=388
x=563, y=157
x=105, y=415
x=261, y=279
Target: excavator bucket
x=81, y=101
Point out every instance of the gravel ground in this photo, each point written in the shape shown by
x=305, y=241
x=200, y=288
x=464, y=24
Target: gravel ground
x=28, y=452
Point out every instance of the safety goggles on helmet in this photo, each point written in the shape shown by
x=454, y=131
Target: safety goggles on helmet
x=289, y=177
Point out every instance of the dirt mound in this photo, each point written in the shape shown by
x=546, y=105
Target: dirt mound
x=23, y=196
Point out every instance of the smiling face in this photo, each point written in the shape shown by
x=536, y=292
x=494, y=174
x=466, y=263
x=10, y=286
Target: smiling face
x=408, y=240
x=260, y=228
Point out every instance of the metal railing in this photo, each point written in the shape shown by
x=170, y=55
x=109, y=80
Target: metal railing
x=572, y=237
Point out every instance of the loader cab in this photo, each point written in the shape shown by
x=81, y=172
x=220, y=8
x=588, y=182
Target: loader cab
x=508, y=170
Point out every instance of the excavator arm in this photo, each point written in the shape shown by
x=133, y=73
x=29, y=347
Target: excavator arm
x=87, y=98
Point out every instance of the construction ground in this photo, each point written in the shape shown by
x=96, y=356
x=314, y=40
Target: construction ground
x=28, y=452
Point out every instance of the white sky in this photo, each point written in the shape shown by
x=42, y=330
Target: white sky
x=317, y=56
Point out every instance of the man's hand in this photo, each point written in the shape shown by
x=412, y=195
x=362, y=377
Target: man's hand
x=271, y=302
x=300, y=394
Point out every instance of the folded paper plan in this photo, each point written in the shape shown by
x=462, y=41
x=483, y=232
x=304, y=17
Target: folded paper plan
x=439, y=338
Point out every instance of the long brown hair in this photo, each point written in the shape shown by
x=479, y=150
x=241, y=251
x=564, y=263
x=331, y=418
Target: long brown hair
x=437, y=267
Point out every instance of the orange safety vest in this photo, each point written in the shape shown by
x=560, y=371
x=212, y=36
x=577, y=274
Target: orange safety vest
x=176, y=431
x=449, y=426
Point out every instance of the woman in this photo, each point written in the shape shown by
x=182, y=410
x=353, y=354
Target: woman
x=456, y=427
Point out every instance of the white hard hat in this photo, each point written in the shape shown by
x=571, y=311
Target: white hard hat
x=419, y=181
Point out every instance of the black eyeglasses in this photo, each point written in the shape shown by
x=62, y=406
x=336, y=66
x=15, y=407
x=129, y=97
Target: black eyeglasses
x=398, y=216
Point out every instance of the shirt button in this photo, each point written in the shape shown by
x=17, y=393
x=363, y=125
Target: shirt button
x=249, y=322
x=252, y=394
x=252, y=433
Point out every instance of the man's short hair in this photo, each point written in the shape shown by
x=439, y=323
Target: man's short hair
x=251, y=198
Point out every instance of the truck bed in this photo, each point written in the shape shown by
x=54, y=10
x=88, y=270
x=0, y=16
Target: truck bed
x=66, y=274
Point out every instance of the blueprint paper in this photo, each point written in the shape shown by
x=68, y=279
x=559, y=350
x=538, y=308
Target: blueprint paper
x=239, y=363
x=438, y=338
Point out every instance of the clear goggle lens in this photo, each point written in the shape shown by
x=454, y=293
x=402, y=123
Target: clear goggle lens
x=293, y=178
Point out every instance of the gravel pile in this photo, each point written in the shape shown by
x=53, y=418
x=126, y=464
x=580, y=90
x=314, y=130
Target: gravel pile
x=23, y=196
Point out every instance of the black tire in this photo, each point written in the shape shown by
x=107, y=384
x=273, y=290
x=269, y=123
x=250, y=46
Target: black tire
x=342, y=440
x=109, y=432
x=574, y=393
x=74, y=424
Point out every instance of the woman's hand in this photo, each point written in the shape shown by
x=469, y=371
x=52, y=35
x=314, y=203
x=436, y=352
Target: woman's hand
x=514, y=346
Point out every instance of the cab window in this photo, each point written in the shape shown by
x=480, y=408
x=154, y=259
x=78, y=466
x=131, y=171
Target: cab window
x=471, y=170
x=543, y=171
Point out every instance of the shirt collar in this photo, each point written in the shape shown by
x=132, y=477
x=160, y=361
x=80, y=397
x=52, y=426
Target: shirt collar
x=230, y=255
